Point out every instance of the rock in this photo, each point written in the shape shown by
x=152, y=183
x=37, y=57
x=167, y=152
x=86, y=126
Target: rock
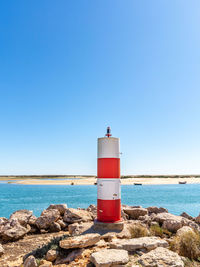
x=161, y=217
x=22, y=216
x=77, y=229
x=187, y=216
x=145, y=219
x=30, y=262
x=75, y=215
x=60, y=207
x=32, y=220
x=93, y=211
x=3, y=222
x=134, y=244
x=47, y=217
x=70, y=257
x=184, y=229
x=1, y=250
x=62, y=224
x=161, y=257
x=156, y=210
x=135, y=213
x=44, y=263
x=108, y=237
x=109, y=257
x=55, y=227
x=197, y=219
x=172, y=225
x=80, y=241
x=13, y=230
x=51, y=255
x=124, y=216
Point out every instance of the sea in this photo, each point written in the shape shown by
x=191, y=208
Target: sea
x=176, y=198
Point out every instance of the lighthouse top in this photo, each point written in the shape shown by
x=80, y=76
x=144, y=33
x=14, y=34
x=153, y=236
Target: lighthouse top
x=108, y=133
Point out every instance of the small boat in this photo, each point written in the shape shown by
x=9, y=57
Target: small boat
x=184, y=182
x=137, y=184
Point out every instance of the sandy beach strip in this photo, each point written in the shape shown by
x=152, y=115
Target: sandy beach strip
x=92, y=181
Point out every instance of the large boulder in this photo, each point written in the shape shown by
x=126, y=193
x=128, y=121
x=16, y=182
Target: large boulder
x=30, y=262
x=22, y=216
x=1, y=250
x=80, y=241
x=161, y=257
x=156, y=210
x=135, y=213
x=109, y=257
x=47, y=218
x=187, y=216
x=60, y=207
x=76, y=215
x=13, y=230
x=172, y=225
x=134, y=244
x=183, y=230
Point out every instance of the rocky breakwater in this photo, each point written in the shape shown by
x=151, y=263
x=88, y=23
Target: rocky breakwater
x=63, y=236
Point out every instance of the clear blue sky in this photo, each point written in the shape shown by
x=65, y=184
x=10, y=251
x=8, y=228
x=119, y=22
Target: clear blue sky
x=68, y=69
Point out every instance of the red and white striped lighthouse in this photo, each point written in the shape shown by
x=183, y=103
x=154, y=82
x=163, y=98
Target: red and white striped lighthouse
x=108, y=174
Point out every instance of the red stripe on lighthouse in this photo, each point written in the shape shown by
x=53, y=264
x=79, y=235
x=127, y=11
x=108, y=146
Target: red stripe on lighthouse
x=108, y=168
x=109, y=210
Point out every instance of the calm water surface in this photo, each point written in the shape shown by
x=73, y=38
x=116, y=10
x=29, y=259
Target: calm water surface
x=176, y=198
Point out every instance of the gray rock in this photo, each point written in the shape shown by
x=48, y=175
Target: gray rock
x=60, y=207
x=1, y=250
x=62, y=224
x=93, y=211
x=135, y=213
x=47, y=218
x=109, y=257
x=75, y=215
x=156, y=210
x=172, y=225
x=30, y=262
x=22, y=216
x=161, y=257
x=183, y=230
x=13, y=230
x=3, y=222
x=81, y=241
x=77, y=229
x=134, y=244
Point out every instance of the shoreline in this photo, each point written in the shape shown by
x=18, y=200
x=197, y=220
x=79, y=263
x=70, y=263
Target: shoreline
x=92, y=181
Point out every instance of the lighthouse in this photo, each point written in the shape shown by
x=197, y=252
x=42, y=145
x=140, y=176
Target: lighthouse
x=108, y=182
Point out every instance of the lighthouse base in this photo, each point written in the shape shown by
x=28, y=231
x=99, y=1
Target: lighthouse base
x=117, y=226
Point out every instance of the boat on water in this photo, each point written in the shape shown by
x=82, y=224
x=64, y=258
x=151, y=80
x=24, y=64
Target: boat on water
x=137, y=184
x=184, y=182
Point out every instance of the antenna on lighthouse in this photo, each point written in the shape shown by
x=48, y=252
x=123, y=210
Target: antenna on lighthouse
x=108, y=134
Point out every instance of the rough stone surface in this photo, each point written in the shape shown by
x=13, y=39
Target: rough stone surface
x=55, y=227
x=22, y=216
x=187, y=216
x=47, y=217
x=70, y=257
x=13, y=230
x=77, y=229
x=197, y=219
x=60, y=207
x=1, y=250
x=75, y=215
x=80, y=241
x=135, y=213
x=93, y=211
x=183, y=230
x=161, y=257
x=51, y=255
x=172, y=225
x=62, y=224
x=134, y=244
x=44, y=263
x=32, y=220
x=30, y=262
x=156, y=210
x=109, y=257
x=118, y=226
x=3, y=222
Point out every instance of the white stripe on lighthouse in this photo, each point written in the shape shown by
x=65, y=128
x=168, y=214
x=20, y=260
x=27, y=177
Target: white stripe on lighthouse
x=108, y=189
x=108, y=147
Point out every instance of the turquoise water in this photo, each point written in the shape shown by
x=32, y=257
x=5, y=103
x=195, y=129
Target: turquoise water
x=176, y=198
